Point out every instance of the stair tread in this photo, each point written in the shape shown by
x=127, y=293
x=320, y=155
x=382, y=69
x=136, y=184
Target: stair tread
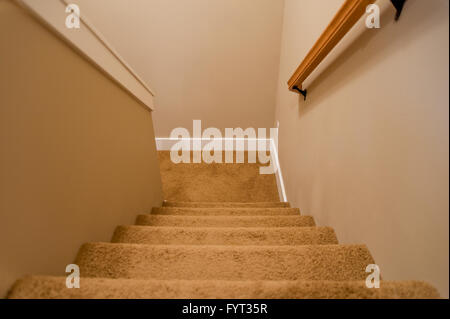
x=226, y=211
x=225, y=221
x=225, y=235
x=309, y=262
x=224, y=204
x=47, y=287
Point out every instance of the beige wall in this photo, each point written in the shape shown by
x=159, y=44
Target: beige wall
x=213, y=60
x=77, y=152
x=367, y=153
x=88, y=40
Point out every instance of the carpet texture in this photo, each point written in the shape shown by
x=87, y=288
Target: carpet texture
x=308, y=262
x=215, y=182
x=225, y=204
x=101, y=288
x=222, y=233
x=238, y=211
x=268, y=236
x=225, y=221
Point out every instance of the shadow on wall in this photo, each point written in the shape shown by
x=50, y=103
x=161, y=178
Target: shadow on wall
x=363, y=56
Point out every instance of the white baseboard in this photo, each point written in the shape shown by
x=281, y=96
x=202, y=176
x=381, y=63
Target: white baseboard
x=165, y=144
x=278, y=175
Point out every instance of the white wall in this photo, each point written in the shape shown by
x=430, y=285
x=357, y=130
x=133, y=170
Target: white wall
x=213, y=60
x=367, y=153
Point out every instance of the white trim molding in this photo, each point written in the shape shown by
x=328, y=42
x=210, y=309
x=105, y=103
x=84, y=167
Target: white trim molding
x=278, y=175
x=91, y=44
x=165, y=144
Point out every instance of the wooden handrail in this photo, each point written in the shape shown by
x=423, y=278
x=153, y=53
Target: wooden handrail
x=350, y=12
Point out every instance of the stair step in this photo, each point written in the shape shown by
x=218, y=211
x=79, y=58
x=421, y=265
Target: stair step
x=225, y=211
x=46, y=287
x=225, y=221
x=314, y=262
x=224, y=236
x=224, y=204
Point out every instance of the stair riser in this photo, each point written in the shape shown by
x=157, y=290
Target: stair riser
x=334, y=262
x=224, y=204
x=217, y=221
x=223, y=236
x=225, y=211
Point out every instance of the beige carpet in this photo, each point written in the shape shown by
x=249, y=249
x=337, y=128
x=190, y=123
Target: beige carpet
x=223, y=234
x=102, y=288
x=216, y=182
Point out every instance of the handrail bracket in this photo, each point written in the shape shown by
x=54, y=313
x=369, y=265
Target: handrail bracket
x=398, y=4
x=302, y=92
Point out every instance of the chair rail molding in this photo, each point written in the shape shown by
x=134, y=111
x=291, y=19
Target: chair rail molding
x=88, y=41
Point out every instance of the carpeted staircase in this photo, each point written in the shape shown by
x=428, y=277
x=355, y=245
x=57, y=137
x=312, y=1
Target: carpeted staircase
x=195, y=250
x=221, y=250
